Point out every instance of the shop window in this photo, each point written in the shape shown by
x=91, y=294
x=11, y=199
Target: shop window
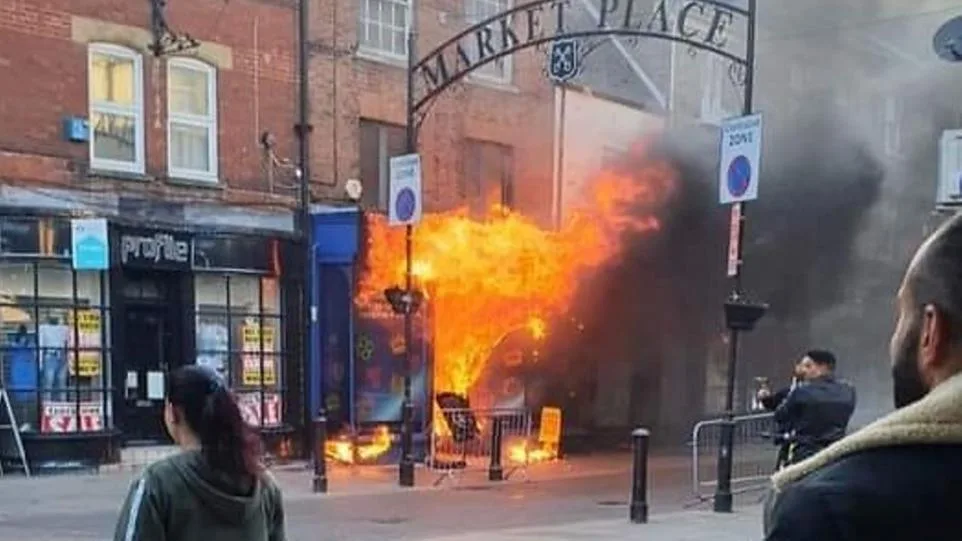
x=379, y=143
x=191, y=120
x=487, y=182
x=115, y=93
x=239, y=334
x=54, y=346
x=475, y=11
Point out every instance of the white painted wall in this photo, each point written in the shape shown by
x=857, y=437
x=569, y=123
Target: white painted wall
x=593, y=128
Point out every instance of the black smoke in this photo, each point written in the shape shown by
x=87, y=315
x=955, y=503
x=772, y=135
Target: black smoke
x=658, y=308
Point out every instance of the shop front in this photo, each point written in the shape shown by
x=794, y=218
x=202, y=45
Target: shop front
x=87, y=345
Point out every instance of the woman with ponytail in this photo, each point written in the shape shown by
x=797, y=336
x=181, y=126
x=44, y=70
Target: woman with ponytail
x=215, y=488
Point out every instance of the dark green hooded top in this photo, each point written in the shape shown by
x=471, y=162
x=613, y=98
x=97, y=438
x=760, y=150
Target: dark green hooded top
x=181, y=498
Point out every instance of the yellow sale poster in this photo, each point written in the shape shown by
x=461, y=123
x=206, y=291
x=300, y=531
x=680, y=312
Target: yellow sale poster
x=84, y=335
x=255, y=339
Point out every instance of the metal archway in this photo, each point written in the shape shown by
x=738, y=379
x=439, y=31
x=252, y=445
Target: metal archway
x=502, y=35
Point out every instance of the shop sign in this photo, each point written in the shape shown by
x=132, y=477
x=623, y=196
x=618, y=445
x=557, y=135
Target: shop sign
x=254, y=339
x=250, y=407
x=59, y=417
x=89, y=245
x=88, y=333
x=150, y=248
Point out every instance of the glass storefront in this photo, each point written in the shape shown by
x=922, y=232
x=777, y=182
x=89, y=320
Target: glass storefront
x=54, y=342
x=239, y=332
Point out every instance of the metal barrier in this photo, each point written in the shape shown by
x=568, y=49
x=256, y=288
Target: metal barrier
x=492, y=440
x=753, y=454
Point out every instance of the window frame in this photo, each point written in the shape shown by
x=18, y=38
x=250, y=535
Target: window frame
x=366, y=49
x=137, y=110
x=209, y=122
x=479, y=74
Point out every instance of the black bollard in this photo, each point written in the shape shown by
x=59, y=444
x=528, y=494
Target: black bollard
x=320, y=453
x=638, y=512
x=495, y=471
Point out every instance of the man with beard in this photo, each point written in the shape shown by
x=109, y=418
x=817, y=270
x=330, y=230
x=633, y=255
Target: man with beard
x=899, y=478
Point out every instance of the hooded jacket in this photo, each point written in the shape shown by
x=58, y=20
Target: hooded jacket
x=899, y=478
x=181, y=498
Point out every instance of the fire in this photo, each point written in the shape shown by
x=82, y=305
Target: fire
x=488, y=278
x=343, y=450
x=519, y=453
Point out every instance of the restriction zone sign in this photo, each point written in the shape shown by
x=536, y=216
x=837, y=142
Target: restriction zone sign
x=741, y=150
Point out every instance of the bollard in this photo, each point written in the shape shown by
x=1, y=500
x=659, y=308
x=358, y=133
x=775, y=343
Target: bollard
x=320, y=453
x=638, y=512
x=495, y=471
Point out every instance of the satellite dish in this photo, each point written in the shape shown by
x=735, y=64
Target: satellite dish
x=947, y=41
x=354, y=189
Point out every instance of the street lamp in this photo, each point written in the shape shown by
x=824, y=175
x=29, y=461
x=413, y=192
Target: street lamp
x=740, y=316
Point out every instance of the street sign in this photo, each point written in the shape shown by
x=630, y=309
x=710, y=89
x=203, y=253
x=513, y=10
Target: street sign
x=563, y=60
x=89, y=245
x=734, y=238
x=741, y=150
x=405, y=190
x=947, y=41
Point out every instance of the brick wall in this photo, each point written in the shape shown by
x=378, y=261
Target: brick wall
x=519, y=116
x=43, y=78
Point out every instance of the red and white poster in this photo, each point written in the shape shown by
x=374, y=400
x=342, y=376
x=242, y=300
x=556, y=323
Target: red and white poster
x=62, y=417
x=250, y=406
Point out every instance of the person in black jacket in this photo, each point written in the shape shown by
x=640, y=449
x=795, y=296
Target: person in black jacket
x=817, y=412
x=770, y=401
x=899, y=478
x=216, y=488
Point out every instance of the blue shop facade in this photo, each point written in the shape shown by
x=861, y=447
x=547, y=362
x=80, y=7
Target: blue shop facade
x=356, y=350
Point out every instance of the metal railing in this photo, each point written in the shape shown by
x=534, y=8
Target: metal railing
x=476, y=440
x=753, y=454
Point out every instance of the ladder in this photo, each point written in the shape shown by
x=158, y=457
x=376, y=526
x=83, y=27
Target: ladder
x=11, y=425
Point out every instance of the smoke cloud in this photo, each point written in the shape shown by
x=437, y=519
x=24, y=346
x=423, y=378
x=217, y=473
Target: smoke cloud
x=658, y=308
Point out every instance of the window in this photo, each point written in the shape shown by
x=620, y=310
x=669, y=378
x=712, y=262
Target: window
x=487, y=182
x=239, y=334
x=191, y=120
x=115, y=93
x=475, y=11
x=383, y=27
x=379, y=142
x=54, y=336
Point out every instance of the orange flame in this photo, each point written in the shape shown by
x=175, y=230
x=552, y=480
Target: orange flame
x=343, y=450
x=519, y=453
x=491, y=277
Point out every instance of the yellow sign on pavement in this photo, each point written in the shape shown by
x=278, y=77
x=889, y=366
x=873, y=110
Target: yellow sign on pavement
x=550, y=433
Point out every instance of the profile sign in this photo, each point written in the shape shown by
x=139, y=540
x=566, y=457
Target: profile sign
x=405, y=190
x=741, y=150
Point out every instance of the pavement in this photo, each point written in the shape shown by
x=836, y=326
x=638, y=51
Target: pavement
x=579, y=498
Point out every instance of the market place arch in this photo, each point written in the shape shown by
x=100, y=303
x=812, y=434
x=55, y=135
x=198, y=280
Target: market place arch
x=712, y=26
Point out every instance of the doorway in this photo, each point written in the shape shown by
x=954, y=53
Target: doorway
x=151, y=347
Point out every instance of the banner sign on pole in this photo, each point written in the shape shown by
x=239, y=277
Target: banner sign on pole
x=405, y=190
x=734, y=238
x=741, y=150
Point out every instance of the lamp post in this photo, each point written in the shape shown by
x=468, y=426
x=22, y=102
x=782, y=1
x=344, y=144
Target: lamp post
x=740, y=314
x=317, y=436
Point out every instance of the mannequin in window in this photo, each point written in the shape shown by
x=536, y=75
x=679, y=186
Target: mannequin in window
x=52, y=339
x=23, y=377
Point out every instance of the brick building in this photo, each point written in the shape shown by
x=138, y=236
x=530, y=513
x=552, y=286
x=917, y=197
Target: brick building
x=185, y=254
x=488, y=139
